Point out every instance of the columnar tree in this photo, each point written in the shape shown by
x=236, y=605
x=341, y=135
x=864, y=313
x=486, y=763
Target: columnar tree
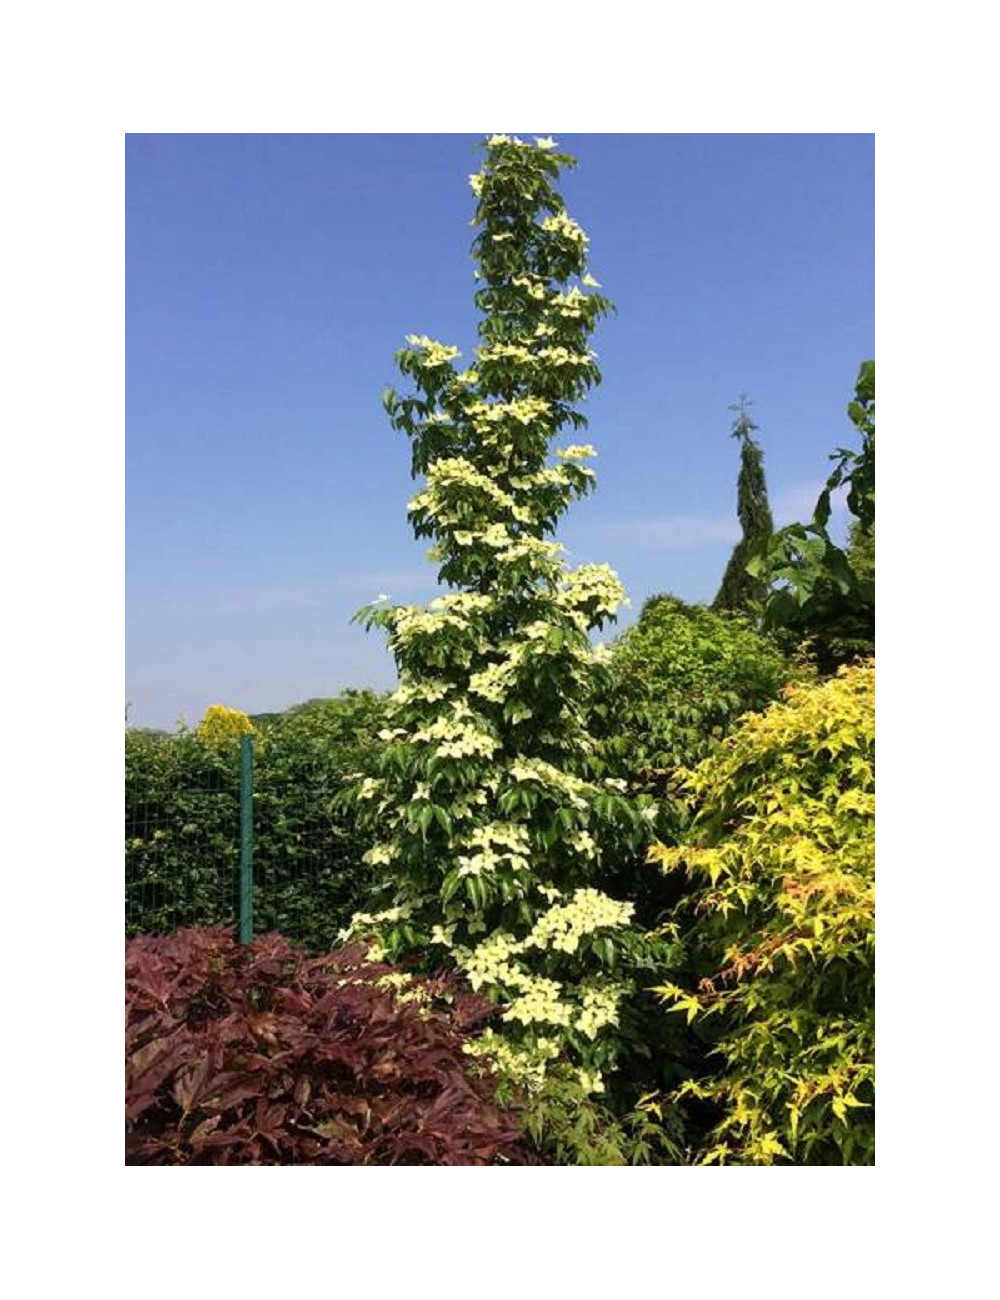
x=740, y=592
x=492, y=817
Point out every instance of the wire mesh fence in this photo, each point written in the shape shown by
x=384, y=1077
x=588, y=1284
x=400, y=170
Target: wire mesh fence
x=191, y=839
x=182, y=843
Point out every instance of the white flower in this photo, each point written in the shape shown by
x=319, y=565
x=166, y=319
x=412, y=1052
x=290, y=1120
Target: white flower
x=578, y=451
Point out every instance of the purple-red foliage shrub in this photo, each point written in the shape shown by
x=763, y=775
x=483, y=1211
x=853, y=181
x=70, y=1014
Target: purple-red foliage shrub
x=260, y=1055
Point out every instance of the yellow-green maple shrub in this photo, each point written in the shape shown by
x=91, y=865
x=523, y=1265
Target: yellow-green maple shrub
x=781, y=859
x=221, y=724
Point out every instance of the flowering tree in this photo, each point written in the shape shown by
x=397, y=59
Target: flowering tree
x=491, y=813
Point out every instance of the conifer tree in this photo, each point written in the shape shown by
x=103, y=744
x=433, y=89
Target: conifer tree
x=741, y=593
x=492, y=816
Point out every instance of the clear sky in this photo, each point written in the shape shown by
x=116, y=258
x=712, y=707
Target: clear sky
x=269, y=280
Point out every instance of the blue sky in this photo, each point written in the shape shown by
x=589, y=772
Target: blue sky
x=270, y=278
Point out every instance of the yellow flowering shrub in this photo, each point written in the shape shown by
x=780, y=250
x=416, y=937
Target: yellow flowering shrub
x=221, y=724
x=781, y=858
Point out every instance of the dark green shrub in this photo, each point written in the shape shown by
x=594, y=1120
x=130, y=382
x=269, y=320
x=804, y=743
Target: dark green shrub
x=683, y=675
x=307, y=848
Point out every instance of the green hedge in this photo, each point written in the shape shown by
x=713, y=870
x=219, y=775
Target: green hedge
x=182, y=823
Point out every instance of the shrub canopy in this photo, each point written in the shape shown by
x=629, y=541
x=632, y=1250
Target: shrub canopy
x=258, y=1055
x=781, y=858
x=222, y=724
x=683, y=675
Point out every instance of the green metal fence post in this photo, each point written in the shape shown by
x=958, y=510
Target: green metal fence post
x=246, y=839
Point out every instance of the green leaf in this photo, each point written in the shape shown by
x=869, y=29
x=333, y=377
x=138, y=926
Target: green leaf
x=425, y=818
